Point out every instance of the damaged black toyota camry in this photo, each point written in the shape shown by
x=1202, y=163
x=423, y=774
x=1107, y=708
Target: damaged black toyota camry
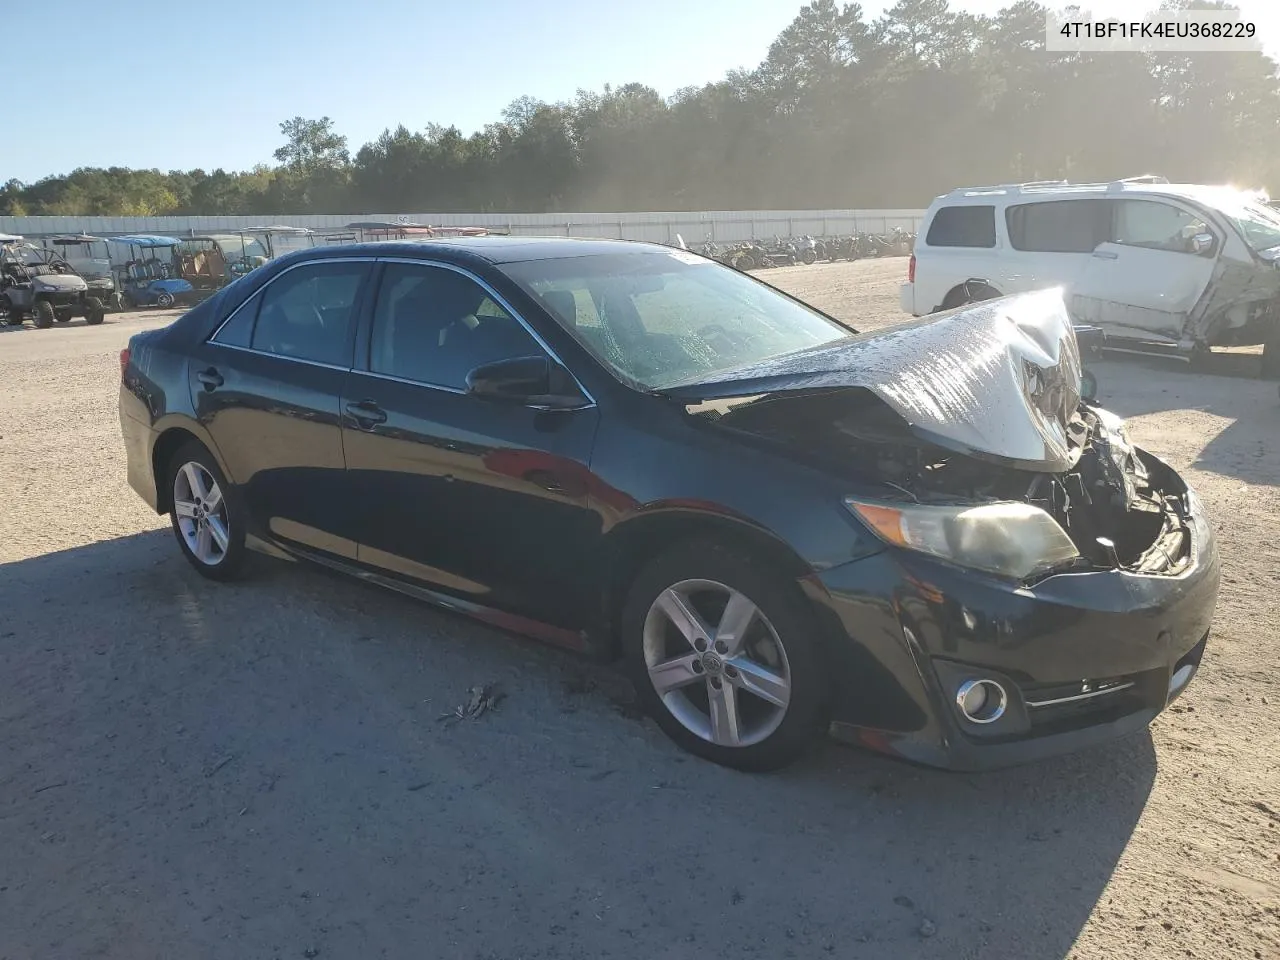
x=922, y=540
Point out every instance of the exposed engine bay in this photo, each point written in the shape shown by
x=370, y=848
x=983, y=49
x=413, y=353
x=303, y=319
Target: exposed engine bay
x=1120, y=506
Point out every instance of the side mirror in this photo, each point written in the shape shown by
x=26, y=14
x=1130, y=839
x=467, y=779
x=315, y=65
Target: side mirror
x=529, y=381
x=1088, y=386
x=1204, y=244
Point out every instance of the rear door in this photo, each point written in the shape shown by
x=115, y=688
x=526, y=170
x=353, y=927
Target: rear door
x=1051, y=242
x=482, y=500
x=1145, y=278
x=267, y=387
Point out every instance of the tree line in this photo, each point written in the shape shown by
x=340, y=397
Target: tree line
x=843, y=112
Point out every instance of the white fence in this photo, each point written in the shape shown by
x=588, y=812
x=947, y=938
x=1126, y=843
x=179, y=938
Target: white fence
x=694, y=227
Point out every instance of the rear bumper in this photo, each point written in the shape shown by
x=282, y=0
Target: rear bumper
x=1084, y=657
x=907, y=298
x=139, y=440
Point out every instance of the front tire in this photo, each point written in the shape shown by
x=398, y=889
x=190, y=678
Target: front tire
x=42, y=314
x=206, y=514
x=164, y=299
x=722, y=653
x=1271, y=353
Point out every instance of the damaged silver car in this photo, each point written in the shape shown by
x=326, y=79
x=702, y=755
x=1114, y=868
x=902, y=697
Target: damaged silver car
x=1157, y=265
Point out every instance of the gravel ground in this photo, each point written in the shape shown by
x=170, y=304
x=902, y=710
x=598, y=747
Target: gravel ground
x=259, y=770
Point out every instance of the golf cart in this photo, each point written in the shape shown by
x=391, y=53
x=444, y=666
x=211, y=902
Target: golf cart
x=39, y=282
x=395, y=230
x=149, y=278
x=280, y=238
x=212, y=261
x=374, y=230
x=92, y=260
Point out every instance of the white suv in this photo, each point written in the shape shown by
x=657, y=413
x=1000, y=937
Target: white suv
x=1180, y=266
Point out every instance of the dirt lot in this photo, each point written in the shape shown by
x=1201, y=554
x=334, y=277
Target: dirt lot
x=258, y=771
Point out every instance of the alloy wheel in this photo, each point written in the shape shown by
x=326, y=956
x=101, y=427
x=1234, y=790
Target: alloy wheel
x=717, y=663
x=201, y=513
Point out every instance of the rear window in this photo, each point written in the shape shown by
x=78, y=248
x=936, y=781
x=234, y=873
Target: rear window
x=1058, y=226
x=963, y=227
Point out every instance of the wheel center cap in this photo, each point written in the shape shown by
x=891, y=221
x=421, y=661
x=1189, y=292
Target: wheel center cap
x=712, y=663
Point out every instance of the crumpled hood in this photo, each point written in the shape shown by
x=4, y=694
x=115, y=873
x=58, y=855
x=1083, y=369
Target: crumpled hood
x=62, y=282
x=998, y=380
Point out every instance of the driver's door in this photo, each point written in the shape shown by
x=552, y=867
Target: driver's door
x=480, y=499
x=1147, y=277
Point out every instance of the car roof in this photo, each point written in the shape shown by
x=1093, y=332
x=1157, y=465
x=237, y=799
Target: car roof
x=1014, y=193
x=488, y=249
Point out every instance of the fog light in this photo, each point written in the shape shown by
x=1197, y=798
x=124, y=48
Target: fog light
x=981, y=701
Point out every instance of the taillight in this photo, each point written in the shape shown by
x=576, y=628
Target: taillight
x=124, y=361
x=911, y=272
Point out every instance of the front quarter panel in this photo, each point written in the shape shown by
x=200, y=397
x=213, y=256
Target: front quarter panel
x=652, y=457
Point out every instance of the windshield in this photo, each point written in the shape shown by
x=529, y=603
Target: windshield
x=36, y=261
x=1259, y=224
x=253, y=247
x=662, y=318
x=230, y=247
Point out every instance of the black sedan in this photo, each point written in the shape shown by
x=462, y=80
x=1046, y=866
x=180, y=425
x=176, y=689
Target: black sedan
x=922, y=540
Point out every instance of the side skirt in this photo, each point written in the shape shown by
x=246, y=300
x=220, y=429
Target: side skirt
x=525, y=626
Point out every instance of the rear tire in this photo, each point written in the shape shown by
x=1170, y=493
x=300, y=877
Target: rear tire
x=62, y=316
x=775, y=652
x=94, y=312
x=42, y=314
x=809, y=257
x=164, y=300
x=968, y=293
x=206, y=513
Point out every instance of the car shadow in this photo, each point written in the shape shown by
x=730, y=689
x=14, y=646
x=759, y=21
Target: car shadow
x=278, y=762
x=1244, y=412
x=6, y=327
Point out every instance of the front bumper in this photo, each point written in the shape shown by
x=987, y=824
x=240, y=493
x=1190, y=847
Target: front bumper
x=1084, y=657
x=61, y=298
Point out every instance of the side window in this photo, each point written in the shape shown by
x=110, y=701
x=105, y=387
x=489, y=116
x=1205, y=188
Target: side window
x=963, y=227
x=308, y=312
x=1057, y=226
x=1155, y=225
x=434, y=326
x=237, y=330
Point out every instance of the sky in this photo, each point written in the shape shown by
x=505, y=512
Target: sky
x=194, y=85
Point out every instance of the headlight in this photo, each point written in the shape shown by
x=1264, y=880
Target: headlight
x=1011, y=539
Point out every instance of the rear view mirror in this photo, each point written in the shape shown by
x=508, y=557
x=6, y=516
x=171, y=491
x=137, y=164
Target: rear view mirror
x=529, y=381
x=1204, y=244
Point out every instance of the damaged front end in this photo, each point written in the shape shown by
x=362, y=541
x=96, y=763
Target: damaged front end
x=1115, y=506
x=971, y=442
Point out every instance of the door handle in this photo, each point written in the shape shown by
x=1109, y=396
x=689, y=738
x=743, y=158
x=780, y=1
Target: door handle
x=1106, y=255
x=366, y=413
x=211, y=378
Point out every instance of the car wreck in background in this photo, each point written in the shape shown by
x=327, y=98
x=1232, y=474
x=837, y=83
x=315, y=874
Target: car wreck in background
x=1159, y=267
